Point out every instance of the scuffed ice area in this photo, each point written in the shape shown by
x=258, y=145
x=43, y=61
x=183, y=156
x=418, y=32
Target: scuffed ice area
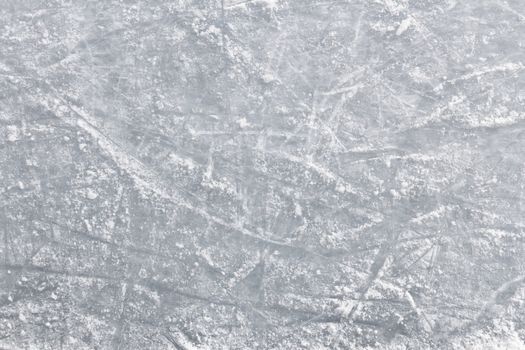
x=262, y=174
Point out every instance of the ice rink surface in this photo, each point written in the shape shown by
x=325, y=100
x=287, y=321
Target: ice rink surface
x=262, y=174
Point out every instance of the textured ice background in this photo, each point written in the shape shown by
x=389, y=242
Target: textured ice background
x=249, y=174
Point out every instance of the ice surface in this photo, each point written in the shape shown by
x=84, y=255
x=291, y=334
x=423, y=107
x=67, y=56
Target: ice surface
x=262, y=174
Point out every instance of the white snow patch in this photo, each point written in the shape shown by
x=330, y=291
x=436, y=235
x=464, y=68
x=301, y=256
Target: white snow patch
x=91, y=193
x=268, y=77
x=270, y=4
x=13, y=133
x=434, y=214
x=243, y=123
x=482, y=340
x=393, y=6
x=404, y=25
x=183, y=161
x=214, y=30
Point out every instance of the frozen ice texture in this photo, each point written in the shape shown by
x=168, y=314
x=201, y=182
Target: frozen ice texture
x=262, y=174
